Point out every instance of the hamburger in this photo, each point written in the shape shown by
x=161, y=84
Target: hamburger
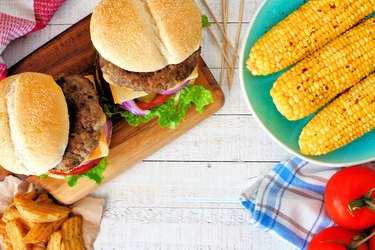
x=54, y=128
x=148, y=53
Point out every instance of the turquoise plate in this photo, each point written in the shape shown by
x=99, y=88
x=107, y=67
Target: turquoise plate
x=256, y=92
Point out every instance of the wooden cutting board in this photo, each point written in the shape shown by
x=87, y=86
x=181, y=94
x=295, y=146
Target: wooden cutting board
x=73, y=53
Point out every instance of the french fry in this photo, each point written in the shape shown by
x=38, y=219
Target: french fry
x=15, y=233
x=11, y=213
x=55, y=241
x=38, y=247
x=40, y=212
x=33, y=222
x=43, y=198
x=4, y=237
x=28, y=196
x=72, y=234
x=41, y=232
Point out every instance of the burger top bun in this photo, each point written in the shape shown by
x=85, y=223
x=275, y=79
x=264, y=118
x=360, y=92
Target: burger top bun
x=34, y=123
x=146, y=35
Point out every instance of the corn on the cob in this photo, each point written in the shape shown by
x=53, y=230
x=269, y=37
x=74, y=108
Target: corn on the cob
x=316, y=80
x=347, y=118
x=307, y=29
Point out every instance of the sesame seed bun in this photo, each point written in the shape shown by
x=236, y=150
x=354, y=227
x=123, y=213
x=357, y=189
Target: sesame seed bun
x=34, y=123
x=146, y=35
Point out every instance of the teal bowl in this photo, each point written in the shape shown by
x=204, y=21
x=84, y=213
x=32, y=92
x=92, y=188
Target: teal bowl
x=256, y=92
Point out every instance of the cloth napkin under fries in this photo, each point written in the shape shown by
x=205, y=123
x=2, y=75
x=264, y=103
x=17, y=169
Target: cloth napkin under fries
x=20, y=17
x=288, y=201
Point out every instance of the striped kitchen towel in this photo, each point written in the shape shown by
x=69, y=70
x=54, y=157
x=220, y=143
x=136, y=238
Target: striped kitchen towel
x=20, y=17
x=288, y=201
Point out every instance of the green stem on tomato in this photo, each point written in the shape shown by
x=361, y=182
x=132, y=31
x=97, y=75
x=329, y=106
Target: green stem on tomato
x=351, y=245
x=362, y=202
x=336, y=241
x=355, y=242
x=356, y=246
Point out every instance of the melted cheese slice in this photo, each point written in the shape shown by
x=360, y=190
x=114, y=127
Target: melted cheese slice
x=91, y=79
x=122, y=94
x=102, y=150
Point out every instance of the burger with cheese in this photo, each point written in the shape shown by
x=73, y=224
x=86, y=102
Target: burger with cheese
x=148, y=53
x=54, y=128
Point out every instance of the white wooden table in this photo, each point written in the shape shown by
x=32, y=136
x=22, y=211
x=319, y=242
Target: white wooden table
x=186, y=196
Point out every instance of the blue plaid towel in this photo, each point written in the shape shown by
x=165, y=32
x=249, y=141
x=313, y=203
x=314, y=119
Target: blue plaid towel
x=288, y=201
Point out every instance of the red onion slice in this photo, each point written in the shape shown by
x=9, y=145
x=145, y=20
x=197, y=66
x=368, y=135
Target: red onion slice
x=88, y=163
x=132, y=107
x=175, y=90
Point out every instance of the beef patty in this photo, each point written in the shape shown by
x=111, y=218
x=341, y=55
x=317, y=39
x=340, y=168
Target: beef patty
x=86, y=118
x=150, y=82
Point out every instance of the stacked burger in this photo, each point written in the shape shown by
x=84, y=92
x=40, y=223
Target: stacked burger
x=53, y=128
x=148, y=53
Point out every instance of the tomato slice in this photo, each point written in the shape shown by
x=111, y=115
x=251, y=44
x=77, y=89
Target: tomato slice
x=158, y=100
x=80, y=169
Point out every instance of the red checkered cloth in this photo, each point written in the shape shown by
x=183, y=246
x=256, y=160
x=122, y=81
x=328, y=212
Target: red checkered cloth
x=20, y=17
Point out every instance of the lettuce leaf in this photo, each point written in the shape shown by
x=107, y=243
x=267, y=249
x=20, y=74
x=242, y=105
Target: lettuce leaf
x=43, y=177
x=169, y=114
x=205, y=22
x=95, y=174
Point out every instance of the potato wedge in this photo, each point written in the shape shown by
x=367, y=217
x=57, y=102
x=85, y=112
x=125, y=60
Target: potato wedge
x=29, y=196
x=4, y=237
x=72, y=234
x=43, y=198
x=11, y=213
x=41, y=232
x=38, y=247
x=40, y=212
x=15, y=233
x=55, y=241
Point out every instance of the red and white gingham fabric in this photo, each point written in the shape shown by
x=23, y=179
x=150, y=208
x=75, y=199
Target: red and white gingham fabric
x=20, y=17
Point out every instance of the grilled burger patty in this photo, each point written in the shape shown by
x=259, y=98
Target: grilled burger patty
x=86, y=117
x=150, y=82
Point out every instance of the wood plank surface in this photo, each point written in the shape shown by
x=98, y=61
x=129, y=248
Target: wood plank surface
x=73, y=53
x=186, y=195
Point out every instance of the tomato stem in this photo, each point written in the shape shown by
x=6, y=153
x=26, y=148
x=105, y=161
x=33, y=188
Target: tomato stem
x=362, y=202
x=336, y=241
x=370, y=202
x=355, y=242
x=356, y=246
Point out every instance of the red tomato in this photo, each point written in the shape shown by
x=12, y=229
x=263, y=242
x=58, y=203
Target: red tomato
x=345, y=186
x=79, y=170
x=372, y=240
x=342, y=236
x=159, y=100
